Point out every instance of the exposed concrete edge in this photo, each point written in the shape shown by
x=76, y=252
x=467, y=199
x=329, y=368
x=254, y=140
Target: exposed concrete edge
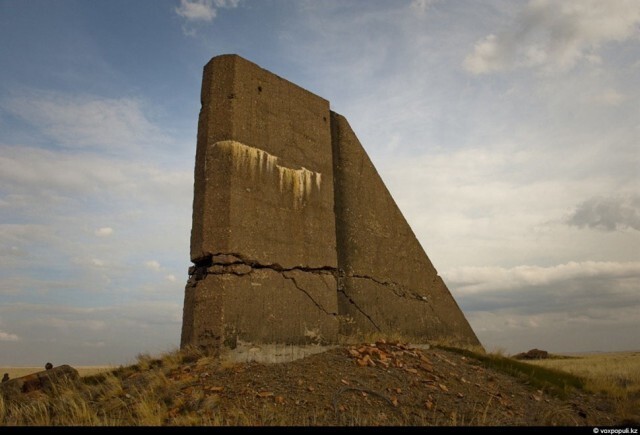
x=270, y=353
x=281, y=353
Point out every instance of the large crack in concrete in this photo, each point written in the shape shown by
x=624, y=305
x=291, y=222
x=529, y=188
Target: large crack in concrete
x=236, y=264
x=397, y=289
x=239, y=265
x=295, y=283
x=352, y=302
x=228, y=259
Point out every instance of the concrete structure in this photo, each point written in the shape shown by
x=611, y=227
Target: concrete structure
x=295, y=238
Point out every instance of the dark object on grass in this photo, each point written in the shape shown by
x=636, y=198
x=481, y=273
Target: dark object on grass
x=45, y=380
x=533, y=354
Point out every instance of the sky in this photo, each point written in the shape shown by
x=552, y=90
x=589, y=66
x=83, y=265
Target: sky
x=508, y=133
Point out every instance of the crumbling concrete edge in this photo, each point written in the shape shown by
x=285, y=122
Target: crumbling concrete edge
x=239, y=265
x=270, y=353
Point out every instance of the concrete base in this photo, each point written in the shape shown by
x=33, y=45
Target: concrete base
x=261, y=306
x=271, y=353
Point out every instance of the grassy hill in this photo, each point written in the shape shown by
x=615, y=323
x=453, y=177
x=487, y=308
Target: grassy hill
x=368, y=384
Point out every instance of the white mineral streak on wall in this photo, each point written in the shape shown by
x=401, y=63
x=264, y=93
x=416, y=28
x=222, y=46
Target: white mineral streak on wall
x=298, y=181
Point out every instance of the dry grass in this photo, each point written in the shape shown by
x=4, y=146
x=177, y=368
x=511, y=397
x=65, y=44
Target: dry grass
x=103, y=398
x=615, y=374
x=554, y=381
x=16, y=372
x=143, y=394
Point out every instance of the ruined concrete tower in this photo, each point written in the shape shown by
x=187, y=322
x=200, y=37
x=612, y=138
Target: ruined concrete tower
x=295, y=238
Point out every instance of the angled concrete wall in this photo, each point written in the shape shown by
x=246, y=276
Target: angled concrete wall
x=389, y=284
x=295, y=238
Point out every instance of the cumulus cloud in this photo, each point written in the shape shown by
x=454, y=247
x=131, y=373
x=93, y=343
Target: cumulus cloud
x=610, y=97
x=567, y=307
x=555, y=35
x=203, y=10
x=559, y=332
x=607, y=213
x=65, y=325
x=153, y=265
x=103, y=232
x=30, y=171
x=96, y=262
x=472, y=280
x=86, y=121
x=5, y=336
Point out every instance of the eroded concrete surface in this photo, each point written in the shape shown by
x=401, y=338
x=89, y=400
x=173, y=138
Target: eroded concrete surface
x=296, y=242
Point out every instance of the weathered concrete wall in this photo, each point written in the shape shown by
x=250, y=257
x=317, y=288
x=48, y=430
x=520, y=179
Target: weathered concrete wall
x=264, y=174
x=389, y=284
x=263, y=202
x=295, y=238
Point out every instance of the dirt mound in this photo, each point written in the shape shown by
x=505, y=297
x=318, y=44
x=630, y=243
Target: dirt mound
x=387, y=384
x=370, y=384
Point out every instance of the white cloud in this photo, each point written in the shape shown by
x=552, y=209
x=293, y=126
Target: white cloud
x=5, y=336
x=197, y=10
x=31, y=171
x=87, y=121
x=559, y=332
x=97, y=262
x=575, y=306
x=66, y=324
x=555, y=35
x=153, y=265
x=610, y=97
x=171, y=278
x=501, y=201
x=203, y=10
x=103, y=232
x=471, y=280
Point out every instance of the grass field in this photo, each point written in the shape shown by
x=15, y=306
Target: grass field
x=16, y=372
x=616, y=373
